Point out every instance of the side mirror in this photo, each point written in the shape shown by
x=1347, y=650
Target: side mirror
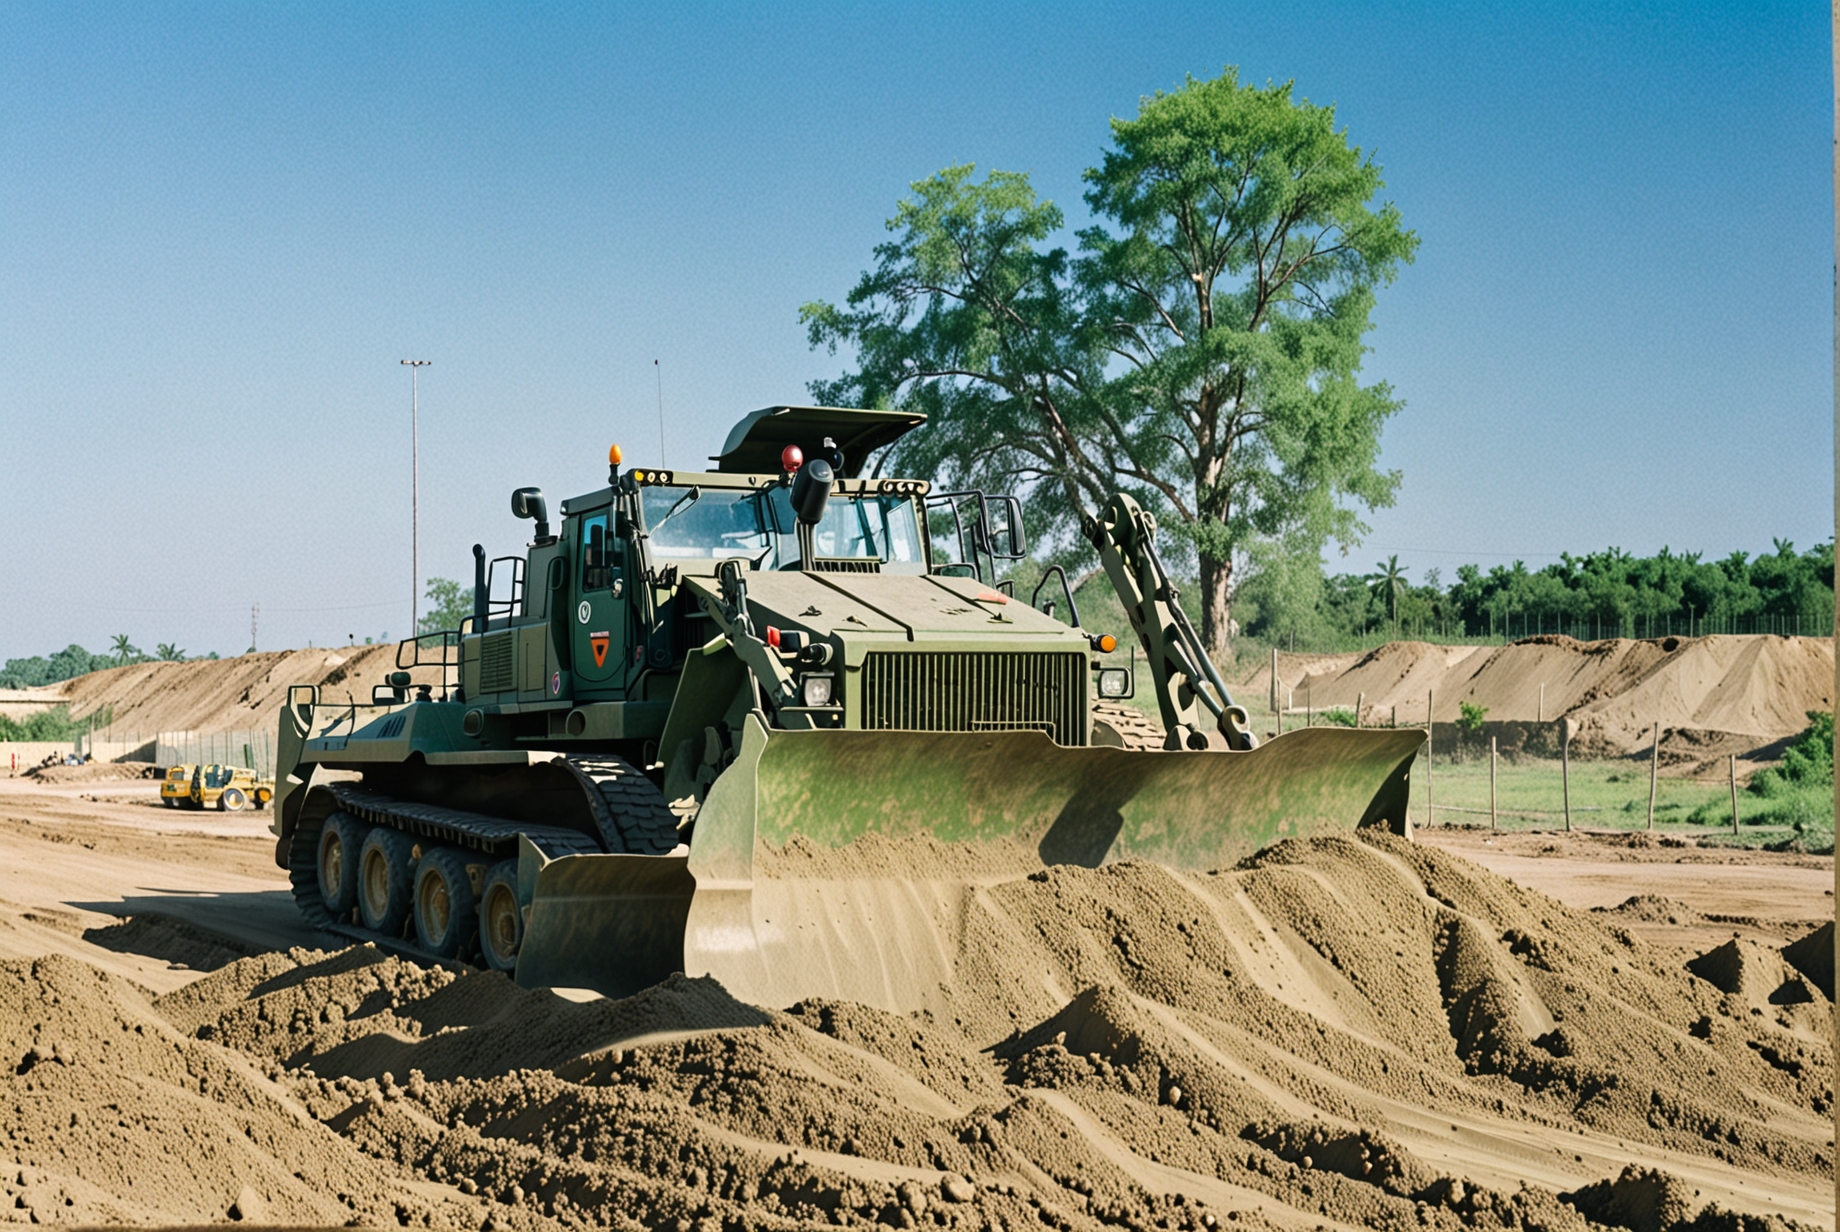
x=811, y=491
x=1004, y=532
x=529, y=503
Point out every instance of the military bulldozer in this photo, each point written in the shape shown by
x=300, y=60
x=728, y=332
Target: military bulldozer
x=595, y=781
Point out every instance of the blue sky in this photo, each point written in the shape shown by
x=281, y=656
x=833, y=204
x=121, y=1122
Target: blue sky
x=221, y=226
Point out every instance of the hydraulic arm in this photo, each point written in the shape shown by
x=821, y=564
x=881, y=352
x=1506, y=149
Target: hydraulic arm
x=1189, y=691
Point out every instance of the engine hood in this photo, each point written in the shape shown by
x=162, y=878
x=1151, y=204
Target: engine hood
x=883, y=607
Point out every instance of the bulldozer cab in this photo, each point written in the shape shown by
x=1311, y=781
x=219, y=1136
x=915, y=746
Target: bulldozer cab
x=690, y=522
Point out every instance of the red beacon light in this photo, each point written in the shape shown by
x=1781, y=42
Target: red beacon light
x=791, y=458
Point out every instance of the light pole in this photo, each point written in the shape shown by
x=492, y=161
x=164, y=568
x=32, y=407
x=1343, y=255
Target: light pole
x=415, y=494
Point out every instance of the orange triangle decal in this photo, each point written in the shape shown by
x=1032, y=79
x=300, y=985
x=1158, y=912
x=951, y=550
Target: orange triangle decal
x=599, y=642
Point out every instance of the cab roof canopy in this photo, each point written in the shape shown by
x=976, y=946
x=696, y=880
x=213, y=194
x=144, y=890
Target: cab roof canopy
x=756, y=442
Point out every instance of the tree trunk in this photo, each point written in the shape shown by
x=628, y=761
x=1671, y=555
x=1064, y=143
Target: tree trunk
x=1216, y=609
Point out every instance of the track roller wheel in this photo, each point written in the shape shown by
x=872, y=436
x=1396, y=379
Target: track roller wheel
x=501, y=920
x=446, y=908
x=232, y=801
x=386, y=880
x=341, y=841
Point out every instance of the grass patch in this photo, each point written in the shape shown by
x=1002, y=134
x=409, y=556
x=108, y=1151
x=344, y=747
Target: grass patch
x=1530, y=794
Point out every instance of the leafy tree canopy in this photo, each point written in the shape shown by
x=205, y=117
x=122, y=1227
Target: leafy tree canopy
x=1200, y=350
x=66, y=664
x=448, y=605
x=1611, y=591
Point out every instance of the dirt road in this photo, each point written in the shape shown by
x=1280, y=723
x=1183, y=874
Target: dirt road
x=1339, y=1034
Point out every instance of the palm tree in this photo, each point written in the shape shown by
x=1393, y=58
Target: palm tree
x=170, y=653
x=1393, y=578
x=125, y=651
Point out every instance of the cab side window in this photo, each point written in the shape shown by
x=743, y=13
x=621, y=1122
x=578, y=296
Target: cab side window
x=598, y=553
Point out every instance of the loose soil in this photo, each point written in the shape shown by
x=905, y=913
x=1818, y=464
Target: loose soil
x=1346, y=1032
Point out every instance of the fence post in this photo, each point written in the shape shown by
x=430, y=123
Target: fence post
x=1274, y=680
x=1360, y=699
x=1654, y=769
x=1542, y=718
x=1494, y=820
x=1429, y=694
x=1565, y=768
x=1734, y=794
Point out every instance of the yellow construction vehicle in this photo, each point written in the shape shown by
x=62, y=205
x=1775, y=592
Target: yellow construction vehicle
x=176, y=787
x=229, y=789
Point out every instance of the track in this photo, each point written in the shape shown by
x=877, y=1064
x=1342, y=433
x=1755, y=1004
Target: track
x=628, y=810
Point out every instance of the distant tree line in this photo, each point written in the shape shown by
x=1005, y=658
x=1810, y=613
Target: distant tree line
x=1608, y=594
x=74, y=661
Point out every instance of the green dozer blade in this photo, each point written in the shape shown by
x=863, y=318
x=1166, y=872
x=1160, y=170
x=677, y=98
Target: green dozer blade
x=864, y=905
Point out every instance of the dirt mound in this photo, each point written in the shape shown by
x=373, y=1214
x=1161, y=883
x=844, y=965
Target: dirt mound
x=114, y=1117
x=1650, y=1200
x=94, y=772
x=207, y=695
x=1652, y=909
x=1813, y=956
x=1747, y=690
x=1752, y=971
x=1345, y=1030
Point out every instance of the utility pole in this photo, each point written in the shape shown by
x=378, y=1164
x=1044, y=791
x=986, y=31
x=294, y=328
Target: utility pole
x=415, y=493
x=254, y=608
x=658, y=372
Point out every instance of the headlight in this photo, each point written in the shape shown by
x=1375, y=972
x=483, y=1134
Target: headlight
x=817, y=690
x=1114, y=682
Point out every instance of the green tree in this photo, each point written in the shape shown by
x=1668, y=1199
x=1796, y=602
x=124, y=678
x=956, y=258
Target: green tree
x=1201, y=352
x=1387, y=580
x=124, y=650
x=170, y=653
x=448, y=606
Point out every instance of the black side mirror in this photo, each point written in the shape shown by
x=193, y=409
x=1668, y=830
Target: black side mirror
x=1005, y=538
x=529, y=503
x=811, y=491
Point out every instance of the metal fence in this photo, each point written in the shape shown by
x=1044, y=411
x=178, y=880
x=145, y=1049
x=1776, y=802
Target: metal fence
x=252, y=748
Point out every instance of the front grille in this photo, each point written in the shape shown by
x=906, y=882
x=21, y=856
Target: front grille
x=496, y=667
x=843, y=564
x=972, y=691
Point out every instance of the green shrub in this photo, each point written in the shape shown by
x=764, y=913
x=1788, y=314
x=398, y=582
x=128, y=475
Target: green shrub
x=53, y=725
x=1809, y=762
x=1335, y=718
x=1471, y=716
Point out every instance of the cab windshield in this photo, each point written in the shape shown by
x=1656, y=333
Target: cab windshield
x=713, y=523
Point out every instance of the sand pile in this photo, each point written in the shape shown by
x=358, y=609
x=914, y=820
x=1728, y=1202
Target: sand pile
x=1345, y=1031
x=227, y=694
x=114, y=1116
x=1758, y=688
